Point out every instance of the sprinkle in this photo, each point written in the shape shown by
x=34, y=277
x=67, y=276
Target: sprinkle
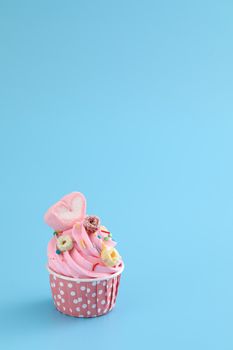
x=55, y=233
x=82, y=243
x=99, y=236
x=105, y=231
x=106, y=238
x=94, y=266
x=58, y=251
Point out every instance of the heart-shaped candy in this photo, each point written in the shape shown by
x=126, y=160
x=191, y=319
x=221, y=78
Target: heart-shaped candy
x=66, y=212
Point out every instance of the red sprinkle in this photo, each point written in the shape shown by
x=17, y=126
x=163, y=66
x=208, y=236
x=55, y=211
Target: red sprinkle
x=106, y=232
x=94, y=266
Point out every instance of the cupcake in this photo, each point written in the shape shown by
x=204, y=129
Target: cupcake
x=83, y=263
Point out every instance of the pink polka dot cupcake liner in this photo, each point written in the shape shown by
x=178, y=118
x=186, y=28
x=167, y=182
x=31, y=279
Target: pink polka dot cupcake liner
x=84, y=297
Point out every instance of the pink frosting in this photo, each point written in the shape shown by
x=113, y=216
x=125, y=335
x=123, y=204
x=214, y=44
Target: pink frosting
x=84, y=259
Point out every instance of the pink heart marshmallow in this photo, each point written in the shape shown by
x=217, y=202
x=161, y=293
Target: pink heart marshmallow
x=66, y=212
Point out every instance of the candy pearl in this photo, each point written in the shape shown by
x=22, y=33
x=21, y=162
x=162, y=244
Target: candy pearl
x=58, y=251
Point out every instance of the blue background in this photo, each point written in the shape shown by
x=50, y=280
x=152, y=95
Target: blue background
x=129, y=102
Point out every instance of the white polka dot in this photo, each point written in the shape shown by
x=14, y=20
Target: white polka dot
x=80, y=299
x=88, y=301
x=77, y=282
x=88, y=290
x=88, y=312
x=71, y=310
x=64, y=308
x=94, y=283
x=58, y=304
x=70, y=285
x=75, y=301
x=62, y=300
x=53, y=285
x=84, y=306
x=99, y=310
x=103, y=302
x=100, y=291
x=55, y=297
x=61, y=284
x=61, y=292
x=80, y=316
x=93, y=315
x=77, y=308
x=83, y=288
x=97, y=299
x=104, y=283
x=72, y=293
x=94, y=295
x=93, y=306
x=54, y=277
x=59, y=296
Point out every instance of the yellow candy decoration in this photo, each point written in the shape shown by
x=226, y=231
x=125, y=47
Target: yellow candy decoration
x=110, y=256
x=64, y=243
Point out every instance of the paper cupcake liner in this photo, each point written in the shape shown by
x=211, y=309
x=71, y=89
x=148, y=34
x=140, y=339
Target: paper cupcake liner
x=84, y=297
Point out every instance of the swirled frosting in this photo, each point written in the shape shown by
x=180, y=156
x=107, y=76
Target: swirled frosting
x=85, y=260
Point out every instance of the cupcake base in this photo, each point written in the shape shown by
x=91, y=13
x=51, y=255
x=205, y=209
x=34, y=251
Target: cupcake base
x=84, y=297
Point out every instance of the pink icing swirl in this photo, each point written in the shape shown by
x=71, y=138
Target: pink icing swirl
x=84, y=259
